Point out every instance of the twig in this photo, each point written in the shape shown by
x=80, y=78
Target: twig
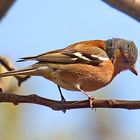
x=9, y=66
x=58, y=105
x=4, y=7
x=130, y=7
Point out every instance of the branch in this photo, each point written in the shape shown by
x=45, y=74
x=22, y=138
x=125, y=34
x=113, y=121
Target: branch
x=58, y=105
x=129, y=7
x=4, y=7
x=4, y=61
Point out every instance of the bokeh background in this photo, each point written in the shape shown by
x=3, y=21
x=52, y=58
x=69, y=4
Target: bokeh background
x=33, y=27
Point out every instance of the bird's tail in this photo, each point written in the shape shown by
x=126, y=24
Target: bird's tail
x=18, y=72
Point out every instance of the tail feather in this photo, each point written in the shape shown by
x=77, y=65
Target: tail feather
x=17, y=72
x=26, y=58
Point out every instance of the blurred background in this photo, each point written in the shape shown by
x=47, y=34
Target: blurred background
x=33, y=27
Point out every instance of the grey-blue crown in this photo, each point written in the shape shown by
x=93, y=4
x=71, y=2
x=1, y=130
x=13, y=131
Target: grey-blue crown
x=125, y=46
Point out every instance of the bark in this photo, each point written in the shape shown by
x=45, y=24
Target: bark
x=63, y=106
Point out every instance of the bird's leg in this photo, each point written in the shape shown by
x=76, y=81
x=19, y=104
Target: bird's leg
x=62, y=97
x=90, y=97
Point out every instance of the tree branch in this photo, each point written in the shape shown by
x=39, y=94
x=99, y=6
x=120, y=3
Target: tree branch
x=9, y=66
x=4, y=7
x=58, y=105
x=130, y=7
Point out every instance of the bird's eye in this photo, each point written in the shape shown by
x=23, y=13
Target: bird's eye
x=126, y=61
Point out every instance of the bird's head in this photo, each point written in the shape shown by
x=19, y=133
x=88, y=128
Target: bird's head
x=123, y=54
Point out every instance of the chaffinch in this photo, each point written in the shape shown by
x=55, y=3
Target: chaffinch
x=85, y=66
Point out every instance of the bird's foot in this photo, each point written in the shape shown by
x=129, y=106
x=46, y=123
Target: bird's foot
x=91, y=100
x=63, y=101
x=64, y=110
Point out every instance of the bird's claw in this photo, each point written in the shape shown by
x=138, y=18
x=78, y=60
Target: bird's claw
x=63, y=100
x=91, y=100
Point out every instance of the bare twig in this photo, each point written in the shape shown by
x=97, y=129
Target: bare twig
x=58, y=105
x=130, y=7
x=4, y=7
x=9, y=66
x=7, y=63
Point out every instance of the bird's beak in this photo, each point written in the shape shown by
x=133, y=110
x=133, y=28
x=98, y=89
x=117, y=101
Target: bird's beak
x=133, y=70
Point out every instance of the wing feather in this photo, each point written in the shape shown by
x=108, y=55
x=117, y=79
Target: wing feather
x=71, y=55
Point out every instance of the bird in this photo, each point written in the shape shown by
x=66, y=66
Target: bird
x=85, y=66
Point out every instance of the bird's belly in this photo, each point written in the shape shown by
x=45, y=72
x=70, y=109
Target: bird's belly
x=87, y=86
x=88, y=78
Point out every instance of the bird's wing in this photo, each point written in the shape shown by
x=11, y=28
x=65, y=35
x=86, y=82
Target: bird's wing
x=57, y=56
x=70, y=55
